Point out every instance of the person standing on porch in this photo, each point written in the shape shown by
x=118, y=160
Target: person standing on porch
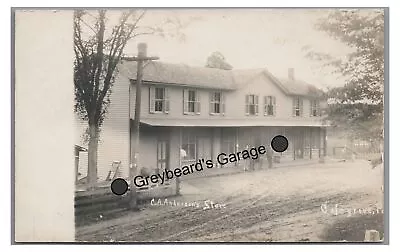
x=183, y=153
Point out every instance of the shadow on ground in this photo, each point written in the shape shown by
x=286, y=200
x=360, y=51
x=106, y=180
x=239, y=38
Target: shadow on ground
x=353, y=228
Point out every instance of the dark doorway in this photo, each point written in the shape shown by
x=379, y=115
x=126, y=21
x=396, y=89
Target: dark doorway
x=162, y=155
x=298, y=143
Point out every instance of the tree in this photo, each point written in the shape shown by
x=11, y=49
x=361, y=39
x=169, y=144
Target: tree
x=359, y=103
x=217, y=60
x=97, y=54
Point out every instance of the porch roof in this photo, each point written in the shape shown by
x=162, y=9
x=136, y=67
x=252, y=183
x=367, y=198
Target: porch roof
x=170, y=122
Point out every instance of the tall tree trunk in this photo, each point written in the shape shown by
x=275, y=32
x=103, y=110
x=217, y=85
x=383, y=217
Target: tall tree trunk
x=92, y=155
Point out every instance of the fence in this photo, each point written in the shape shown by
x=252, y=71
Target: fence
x=344, y=152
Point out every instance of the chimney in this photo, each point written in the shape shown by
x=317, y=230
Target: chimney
x=291, y=73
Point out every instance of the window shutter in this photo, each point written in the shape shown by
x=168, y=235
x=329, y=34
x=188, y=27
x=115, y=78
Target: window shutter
x=185, y=101
x=318, y=109
x=256, y=102
x=222, y=103
x=166, y=100
x=151, y=99
x=197, y=103
x=265, y=106
x=274, y=105
x=210, y=99
x=294, y=107
x=247, y=105
x=311, y=107
x=301, y=107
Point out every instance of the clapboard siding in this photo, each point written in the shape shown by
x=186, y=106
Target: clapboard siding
x=175, y=103
x=261, y=85
x=114, y=136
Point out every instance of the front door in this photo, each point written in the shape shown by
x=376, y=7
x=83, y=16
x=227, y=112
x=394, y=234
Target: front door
x=162, y=155
x=299, y=143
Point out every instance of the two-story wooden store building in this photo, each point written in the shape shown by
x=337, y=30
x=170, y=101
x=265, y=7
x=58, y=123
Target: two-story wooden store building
x=207, y=111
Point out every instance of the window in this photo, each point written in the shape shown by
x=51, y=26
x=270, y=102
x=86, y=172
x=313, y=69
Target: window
x=297, y=106
x=269, y=105
x=159, y=102
x=189, y=145
x=315, y=111
x=191, y=102
x=217, y=105
x=251, y=104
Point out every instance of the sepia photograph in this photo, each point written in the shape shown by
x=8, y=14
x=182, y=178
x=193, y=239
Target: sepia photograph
x=227, y=125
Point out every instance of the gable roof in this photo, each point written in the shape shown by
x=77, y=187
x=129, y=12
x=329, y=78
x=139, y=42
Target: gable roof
x=180, y=74
x=204, y=77
x=245, y=76
x=298, y=87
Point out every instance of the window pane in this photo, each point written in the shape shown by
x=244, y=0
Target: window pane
x=269, y=101
x=216, y=108
x=270, y=110
x=189, y=145
x=191, y=106
x=217, y=97
x=158, y=106
x=159, y=94
x=252, y=109
x=192, y=153
x=192, y=95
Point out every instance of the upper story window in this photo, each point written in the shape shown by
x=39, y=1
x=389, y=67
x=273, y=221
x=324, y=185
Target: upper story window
x=315, y=108
x=217, y=104
x=159, y=100
x=297, y=106
x=251, y=104
x=191, y=101
x=269, y=105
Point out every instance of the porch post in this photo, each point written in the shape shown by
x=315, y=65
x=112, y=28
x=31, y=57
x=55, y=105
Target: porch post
x=311, y=141
x=322, y=158
x=221, y=143
x=303, y=141
x=294, y=132
x=236, y=142
x=324, y=135
x=319, y=141
x=177, y=180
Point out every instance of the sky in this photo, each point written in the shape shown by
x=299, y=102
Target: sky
x=248, y=38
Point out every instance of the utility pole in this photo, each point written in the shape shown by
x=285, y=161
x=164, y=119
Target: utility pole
x=134, y=141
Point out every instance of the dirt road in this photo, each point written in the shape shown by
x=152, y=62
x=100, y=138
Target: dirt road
x=282, y=204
